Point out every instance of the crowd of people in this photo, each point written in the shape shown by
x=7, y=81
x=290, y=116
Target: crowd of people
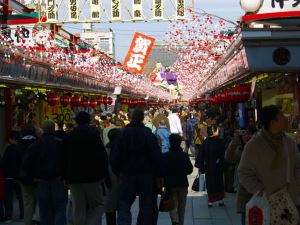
x=99, y=165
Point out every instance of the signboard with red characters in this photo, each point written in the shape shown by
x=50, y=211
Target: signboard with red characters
x=138, y=53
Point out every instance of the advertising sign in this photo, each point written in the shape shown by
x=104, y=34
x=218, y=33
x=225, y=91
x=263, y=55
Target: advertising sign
x=137, y=10
x=180, y=9
x=51, y=11
x=115, y=10
x=73, y=10
x=95, y=10
x=138, y=53
x=270, y=6
x=157, y=9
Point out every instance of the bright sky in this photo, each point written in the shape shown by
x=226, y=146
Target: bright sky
x=229, y=9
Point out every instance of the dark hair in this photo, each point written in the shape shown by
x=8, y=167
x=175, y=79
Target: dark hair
x=175, y=110
x=113, y=134
x=137, y=115
x=175, y=140
x=268, y=113
x=60, y=124
x=14, y=134
x=211, y=130
x=83, y=118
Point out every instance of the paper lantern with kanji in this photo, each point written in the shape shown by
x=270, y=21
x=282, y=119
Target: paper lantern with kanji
x=100, y=100
x=76, y=101
x=105, y=100
x=52, y=99
x=109, y=100
x=65, y=100
x=85, y=103
x=93, y=103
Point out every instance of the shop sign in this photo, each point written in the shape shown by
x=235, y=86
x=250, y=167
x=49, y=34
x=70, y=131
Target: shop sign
x=51, y=11
x=270, y=6
x=73, y=10
x=137, y=10
x=180, y=9
x=57, y=113
x=157, y=9
x=138, y=53
x=115, y=10
x=95, y=10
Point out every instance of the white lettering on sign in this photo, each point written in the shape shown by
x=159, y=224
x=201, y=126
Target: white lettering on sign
x=142, y=45
x=135, y=61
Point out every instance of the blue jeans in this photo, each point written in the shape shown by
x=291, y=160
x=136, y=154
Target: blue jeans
x=137, y=185
x=52, y=198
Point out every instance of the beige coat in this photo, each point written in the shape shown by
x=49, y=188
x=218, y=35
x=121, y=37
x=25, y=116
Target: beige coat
x=256, y=173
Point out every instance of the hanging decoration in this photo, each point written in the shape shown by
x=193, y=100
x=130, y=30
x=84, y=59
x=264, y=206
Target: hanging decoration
x=52, y=99
x=76, y=101
x=115, y=10
x=157, y=9
x=137, y=10
x=51, y=11
x=65, y=100
x=95, y=10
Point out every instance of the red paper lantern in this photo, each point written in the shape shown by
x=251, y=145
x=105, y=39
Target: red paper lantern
x=100, y=100
x=76, y=101
x=93, y=103
x=85, y=103
x=52, y=99
x=65, y=100
x=105, y=100
x=109, y=100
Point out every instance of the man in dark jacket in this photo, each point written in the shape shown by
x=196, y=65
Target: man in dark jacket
x=177, y=166
x=45, y=157
x=136, y=158
x=85, y=166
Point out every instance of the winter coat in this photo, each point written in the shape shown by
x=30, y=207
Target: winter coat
x=163, y=134
x=45, y=158
x=177, y=166
x=256, y=172
x=9, y=162
x=84, y=156
x=136, y=152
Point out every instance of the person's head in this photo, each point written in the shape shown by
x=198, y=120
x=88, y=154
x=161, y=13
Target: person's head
x=212, y=130
x=273, y=120
x=69, y=126
x=14, y=137
x=137, y=116
x=60, y=125
x=162, y=123
x=174, y=110
x=29, y=130
x=175, y=140
x=48, y=127
x=147, y=119
x=82, y=118
x=113, y=134
x=247, y=134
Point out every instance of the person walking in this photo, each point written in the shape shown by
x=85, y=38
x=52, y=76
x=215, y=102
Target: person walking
x=85, y=165
x=45, y=157
x=136, y=159
x=211, y=162
x=177, y=166
x=163, y=134
x=175, y=123
x=10, y=168
x=266, y=157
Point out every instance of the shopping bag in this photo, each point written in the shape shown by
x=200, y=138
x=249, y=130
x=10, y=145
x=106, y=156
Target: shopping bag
x=166, y=202
x=202, y=182
x=283, y=209
x=258, y=210
x=195, y=186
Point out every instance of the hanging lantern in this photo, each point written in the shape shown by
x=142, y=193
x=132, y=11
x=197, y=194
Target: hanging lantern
x=93, y=103
x=251, y=5
x=109, y=100
x=99, y=100
x=65, y=100
x=76, y=101
x=85, y=103
x=52, y=99
x=105, y=100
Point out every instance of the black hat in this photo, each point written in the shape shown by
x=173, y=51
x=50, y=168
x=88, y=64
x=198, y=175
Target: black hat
x=82, y=118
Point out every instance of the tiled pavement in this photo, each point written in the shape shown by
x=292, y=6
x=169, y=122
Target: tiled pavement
x=197, y=212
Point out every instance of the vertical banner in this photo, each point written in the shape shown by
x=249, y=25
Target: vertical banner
x=51, y=11
x=157, y=9
x=73, y=10
x=115, y=10
x=180, y=9
x=137, y=10
x=138, y=53
x=95, y=10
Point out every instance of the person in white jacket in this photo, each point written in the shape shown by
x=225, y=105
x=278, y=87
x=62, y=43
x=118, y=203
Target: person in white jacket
x=175, y=123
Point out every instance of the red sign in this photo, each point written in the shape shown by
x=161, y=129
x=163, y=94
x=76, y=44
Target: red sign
x=138, y=53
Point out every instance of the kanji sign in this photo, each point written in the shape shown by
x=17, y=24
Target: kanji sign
x=73, y=10
x=138, y=53
x=51, y=11
x=115, y=10
x=180, y=9
x=157, y=9
x=95, y=10
x=137, y=10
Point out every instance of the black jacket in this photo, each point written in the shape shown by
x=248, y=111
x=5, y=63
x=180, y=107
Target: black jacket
x=136, y=151
x=177, y=165
x=84, y=156
x=9, y=162
x=45, y=158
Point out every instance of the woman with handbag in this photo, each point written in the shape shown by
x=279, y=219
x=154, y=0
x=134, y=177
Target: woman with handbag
x=177, y=166
x=270, y=163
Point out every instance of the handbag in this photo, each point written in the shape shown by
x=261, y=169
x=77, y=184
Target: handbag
x=283, y=209
x=258, y=210
x=195, y=186
x=166, y=203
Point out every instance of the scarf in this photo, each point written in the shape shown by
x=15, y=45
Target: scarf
x=275, y=141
